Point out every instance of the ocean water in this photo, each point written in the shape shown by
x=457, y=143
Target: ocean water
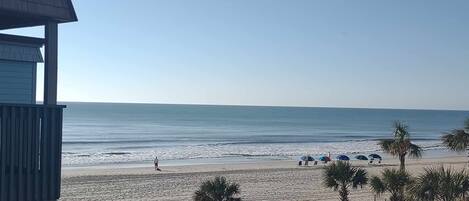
x=110, y=134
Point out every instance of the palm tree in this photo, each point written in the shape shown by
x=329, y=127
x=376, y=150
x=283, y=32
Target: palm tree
x=441, y=184
x=401, y=145
x=457, y=139
x=426, y=186
x=217, y=189
x=341, y=175
x=392, y=181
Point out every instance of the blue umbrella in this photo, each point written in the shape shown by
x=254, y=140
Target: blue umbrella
x=343, y=158
x=373, y=156
x=361, y=157
x=324, y=158
x=307, y=158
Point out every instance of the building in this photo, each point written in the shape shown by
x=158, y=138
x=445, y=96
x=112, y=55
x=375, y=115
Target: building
x=18, y=66
x=30, y=133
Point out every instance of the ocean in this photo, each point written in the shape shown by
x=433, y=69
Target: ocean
x=106, y=134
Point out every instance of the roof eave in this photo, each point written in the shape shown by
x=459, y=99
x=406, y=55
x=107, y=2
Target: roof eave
x=25, y=19
x=37, y=42
x=72, y=11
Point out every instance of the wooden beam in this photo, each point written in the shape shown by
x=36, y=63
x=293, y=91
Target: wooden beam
x=50, y=63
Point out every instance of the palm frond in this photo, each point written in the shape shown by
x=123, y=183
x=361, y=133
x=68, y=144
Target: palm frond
x=426, y=186
x=456, y=140
x=360, y=178
x=377, y=185
x=401, y=131
x=450, y=184
x=415, y=151
x=340, y=175
x=388, y=146
x=217, y=189
x=330, y=177
x=232, y=189
x=441, y=184
x=395, y=179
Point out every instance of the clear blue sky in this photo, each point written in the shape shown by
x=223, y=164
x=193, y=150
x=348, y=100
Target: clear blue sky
x=367, y=53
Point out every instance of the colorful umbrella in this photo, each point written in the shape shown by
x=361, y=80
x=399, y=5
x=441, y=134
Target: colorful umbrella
x=307, y=158
x=342, y=158
x=373, y=156
x=324, y=158
x=361, y=157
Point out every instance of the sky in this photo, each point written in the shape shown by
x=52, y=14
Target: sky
x=334, y=53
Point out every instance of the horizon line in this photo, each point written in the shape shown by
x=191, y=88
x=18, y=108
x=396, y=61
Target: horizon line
x=253, y=105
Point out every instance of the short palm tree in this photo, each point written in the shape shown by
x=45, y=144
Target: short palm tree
x=341, y=175
x=457, y=139
x=218, y=189
x=400, y=145
x=441, y=184
x=392, y=181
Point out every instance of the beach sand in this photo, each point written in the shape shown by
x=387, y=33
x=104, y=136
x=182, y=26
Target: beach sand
x=264, y=180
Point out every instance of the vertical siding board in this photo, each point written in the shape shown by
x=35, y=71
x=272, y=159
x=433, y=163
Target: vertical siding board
x=59, y=151
x=4, y=134
x=53, y=154
x=46, y=154
x=16, y=171
x=29, y=133
x=43, y=155
x=20, y=182
x=36, y=148
x=12, y=154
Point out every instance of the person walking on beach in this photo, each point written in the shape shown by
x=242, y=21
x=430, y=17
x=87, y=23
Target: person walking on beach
x=156, y=164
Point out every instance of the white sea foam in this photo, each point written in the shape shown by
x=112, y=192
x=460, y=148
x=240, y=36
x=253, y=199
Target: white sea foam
x=276, y=151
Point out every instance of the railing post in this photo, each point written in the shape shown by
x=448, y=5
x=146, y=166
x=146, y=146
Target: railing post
x=50, y=63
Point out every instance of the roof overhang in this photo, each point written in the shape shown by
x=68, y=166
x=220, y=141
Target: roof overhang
x=20, y=48
x=22, y=40
x=35, y=14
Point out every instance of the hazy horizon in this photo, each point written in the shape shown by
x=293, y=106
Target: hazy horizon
x=239, y=105
x=399, y=54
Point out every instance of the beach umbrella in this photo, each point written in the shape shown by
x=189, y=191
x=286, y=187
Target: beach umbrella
x=342, y=158
x=307, y=158
x=324, y=158
x=361, y=157
x=375, y=156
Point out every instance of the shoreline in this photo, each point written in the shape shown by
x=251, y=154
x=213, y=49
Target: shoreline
x=428, y=154
x=253, y=165
x=262, y=180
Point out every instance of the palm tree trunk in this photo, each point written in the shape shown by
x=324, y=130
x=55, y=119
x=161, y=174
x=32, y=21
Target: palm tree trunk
x=343, y=192
x=402, y=162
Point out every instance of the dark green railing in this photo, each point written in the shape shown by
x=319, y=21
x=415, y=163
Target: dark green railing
x=30, y=152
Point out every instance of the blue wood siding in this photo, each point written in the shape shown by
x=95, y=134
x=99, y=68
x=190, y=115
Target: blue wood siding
x=17, y=82
x=30, y=152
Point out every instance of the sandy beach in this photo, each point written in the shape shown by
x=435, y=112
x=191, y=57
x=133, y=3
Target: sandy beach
x=265, y=180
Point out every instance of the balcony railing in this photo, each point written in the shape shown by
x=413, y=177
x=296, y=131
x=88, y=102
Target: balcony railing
x=30, y=152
